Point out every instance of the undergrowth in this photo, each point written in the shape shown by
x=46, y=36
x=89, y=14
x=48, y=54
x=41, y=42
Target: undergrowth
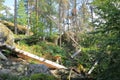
x=32, y=77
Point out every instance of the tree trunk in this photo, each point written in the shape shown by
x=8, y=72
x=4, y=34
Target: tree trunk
x=15, y=16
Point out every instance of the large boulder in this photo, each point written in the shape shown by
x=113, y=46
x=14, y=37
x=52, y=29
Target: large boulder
x=20, y=29
x=6, y=35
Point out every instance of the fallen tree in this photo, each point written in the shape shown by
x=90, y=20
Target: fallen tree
x=27, y=56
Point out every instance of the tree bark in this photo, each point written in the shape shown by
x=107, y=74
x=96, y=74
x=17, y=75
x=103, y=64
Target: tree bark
x=15, y=16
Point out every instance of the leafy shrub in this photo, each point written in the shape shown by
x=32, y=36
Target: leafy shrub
x=12, y=77
x=42, y=77
x=33, y=77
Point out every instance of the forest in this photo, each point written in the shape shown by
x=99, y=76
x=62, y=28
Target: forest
x=60, y=40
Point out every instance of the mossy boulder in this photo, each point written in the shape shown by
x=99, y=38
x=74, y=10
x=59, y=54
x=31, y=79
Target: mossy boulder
x=20, y=29
x=6, y=35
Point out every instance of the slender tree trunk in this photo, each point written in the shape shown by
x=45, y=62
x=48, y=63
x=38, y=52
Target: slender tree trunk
x=28, y=18
x=60, y=23
x=15, y=16
x=36, y=10
x=68, y=19
x=75, y=16
x=91, y=8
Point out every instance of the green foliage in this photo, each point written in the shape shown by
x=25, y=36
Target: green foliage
x=22, y=15
x=53, y=37
x=105, y=40
x=1, y=6
x=5, y=77
x=31, y=40
x=111, y=73
x=42, y=48
x=54, y=50
x=42, y=77
x=32, y=77
x=7, y=52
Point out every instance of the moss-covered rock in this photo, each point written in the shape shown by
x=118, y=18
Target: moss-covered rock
x=20, y=29
x=6, y=35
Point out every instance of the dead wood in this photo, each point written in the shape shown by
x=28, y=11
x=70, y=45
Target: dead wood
x=27, y=55
x=93, y=67
x=76, y=53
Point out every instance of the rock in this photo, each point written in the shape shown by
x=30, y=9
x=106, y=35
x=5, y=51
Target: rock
x=20, y=68
x=20, y=29
x=12, y=67
x=14, y=63
x=37, y=68
x=7, y=63
x=6, y=35
x=5, y=71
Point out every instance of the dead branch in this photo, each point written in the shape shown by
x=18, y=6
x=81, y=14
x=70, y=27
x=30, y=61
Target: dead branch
x=76, y=53
x=93, y=67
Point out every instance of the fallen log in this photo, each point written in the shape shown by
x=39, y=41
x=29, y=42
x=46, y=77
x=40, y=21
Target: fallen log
x=27, y=55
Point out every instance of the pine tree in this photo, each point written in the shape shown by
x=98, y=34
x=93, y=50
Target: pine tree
x=22, y=13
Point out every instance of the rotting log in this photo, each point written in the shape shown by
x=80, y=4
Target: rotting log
x=27, y=55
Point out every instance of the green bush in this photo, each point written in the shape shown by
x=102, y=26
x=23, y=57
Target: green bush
x=42, y=77
x=12, y=77
x=33, y=77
